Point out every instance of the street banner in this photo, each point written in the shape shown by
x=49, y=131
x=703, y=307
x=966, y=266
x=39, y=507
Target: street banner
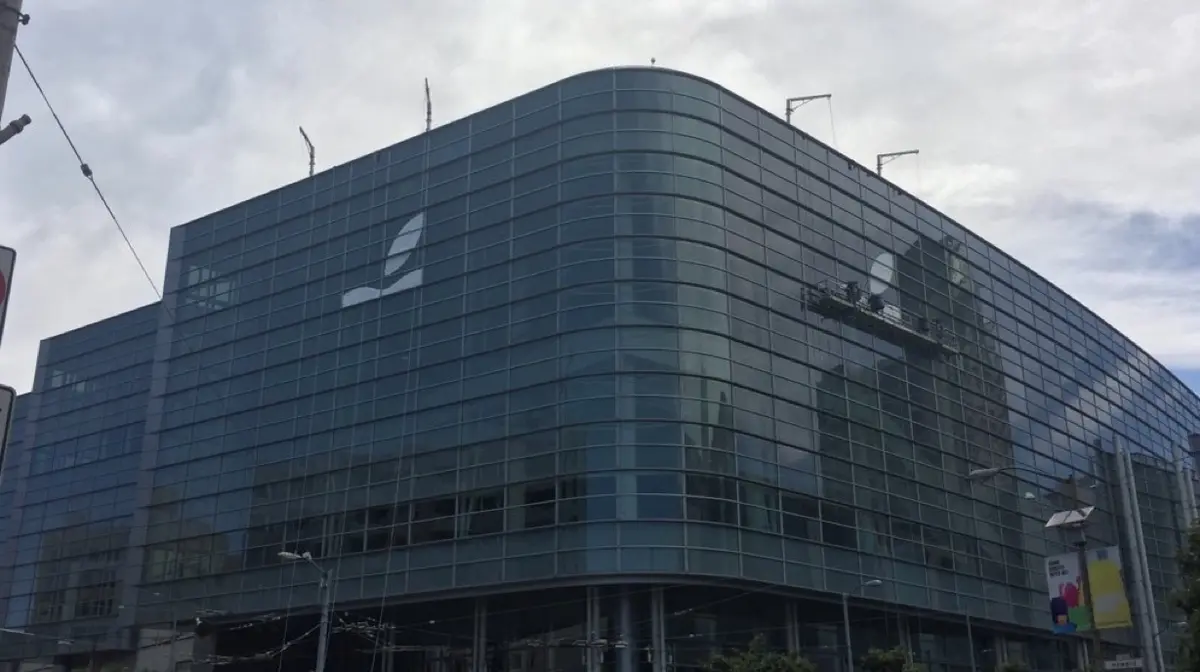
x=1068, y=610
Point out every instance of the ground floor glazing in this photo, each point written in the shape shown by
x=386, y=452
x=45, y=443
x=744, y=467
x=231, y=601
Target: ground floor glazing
x=642, y=627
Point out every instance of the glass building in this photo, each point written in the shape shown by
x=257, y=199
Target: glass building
x=611, y=376
x=69, y=490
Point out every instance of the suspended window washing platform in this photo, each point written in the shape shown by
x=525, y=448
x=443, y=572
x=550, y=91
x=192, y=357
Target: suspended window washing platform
x=849, y=304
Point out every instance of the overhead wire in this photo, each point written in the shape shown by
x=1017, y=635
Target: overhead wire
x=143, y=647
x=462, y=642
x=326, y=579
x=287, y=611
x=352, y=628
x=365, y=625
x=87, y=171
x=89, y=174
x=832, y=127
x=276, y=652
x=920, y=181
x=412, y=357
x=269, y=654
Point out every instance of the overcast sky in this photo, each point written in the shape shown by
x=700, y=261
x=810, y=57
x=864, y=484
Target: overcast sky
x=1065, y=131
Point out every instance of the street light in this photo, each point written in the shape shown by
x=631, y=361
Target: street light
x=1074, y=518
x=870, y=583
x=325, y=589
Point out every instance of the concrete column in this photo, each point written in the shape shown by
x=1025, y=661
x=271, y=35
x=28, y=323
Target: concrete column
x=906, y=636
x=389, y=652
x=658, y=626
x=792, y=622
x=1154, y=650
x=592, y=628
x=479, y=647
x=1181, y=482
x=1143, y=602
x=627, y=655
x=971, y=644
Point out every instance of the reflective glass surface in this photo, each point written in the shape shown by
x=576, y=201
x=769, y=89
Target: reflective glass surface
x=69, y=486
x=639, y=326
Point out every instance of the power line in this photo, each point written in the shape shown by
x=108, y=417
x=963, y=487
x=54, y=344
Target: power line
x=832, y=126
x=87, y=172
x=170, y=640
x=269, y=654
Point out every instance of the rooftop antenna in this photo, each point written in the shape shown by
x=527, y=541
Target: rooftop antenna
x=428, y=107
x=798, y=102
x=882, y=160
x=312, y=152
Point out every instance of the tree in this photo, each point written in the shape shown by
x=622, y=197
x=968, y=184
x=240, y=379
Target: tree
x=759, y=657
x=1012, y=666
x=1188, y=601
x=894, y=659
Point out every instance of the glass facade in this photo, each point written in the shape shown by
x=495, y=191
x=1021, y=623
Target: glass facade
x=627, y=337
x=70, y=483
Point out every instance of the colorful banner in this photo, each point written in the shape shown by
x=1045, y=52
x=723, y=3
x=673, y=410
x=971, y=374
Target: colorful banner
x=1068, y=610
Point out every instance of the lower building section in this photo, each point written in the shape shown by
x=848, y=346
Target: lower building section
x=632, y=627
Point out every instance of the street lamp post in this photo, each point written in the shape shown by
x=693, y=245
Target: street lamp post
x=1076, y=518
x=872, y=583
x=325, y=589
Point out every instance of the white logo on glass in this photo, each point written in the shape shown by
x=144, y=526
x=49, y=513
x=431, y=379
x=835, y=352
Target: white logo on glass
x=399, y=253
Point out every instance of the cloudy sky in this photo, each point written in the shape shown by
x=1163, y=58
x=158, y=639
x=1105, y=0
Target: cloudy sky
x=1064, y=131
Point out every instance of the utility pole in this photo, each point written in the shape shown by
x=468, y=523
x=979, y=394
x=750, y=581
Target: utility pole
x=10, y=18
x=870, y=583
x=1075, y=518
x=325, y=590
x=1085, y=578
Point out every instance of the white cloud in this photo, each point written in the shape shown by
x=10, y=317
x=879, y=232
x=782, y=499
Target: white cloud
x=1044, y=127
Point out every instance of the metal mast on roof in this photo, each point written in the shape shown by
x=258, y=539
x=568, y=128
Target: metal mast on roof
x=312, y=152
x=882, y=160
x=428, y=107
x=798, y=102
